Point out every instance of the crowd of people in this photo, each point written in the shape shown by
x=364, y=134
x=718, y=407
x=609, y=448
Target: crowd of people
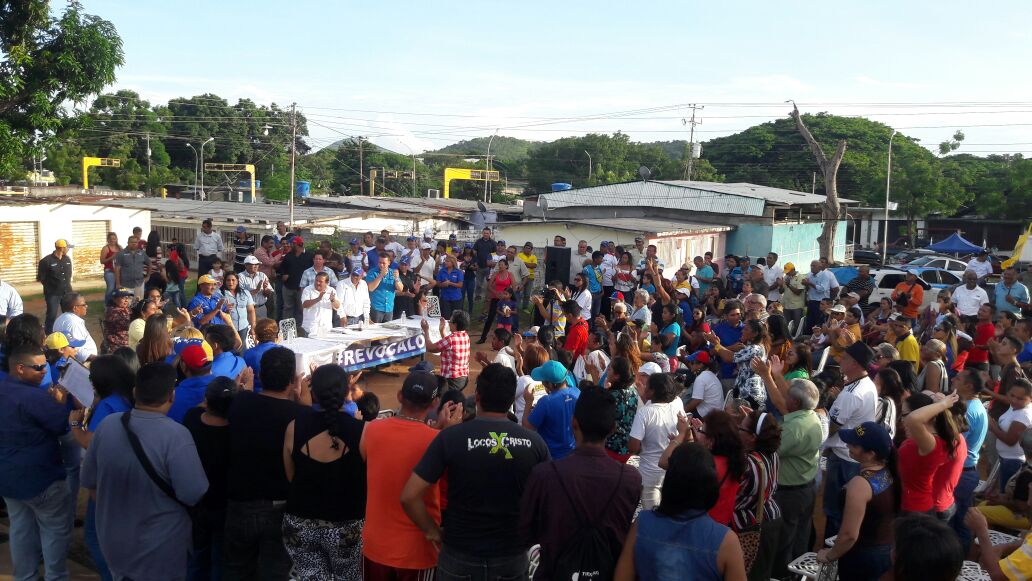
x=626, y=422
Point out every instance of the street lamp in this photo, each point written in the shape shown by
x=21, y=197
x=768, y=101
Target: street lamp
x=487, y=181
x=210, y=139
x=195, y=165
x=888, y=186
x=589, y=163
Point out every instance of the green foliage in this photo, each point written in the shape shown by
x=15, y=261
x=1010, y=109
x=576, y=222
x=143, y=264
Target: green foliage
x=46, y=62
x=502, y=147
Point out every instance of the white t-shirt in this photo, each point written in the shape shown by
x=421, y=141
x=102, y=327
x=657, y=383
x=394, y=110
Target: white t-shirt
x=855, y=405
x=608, y=271
x=318, y=318
x=74, y=327
x=584, y=300
x=505, y=357
x=982, y=269
x=969, y=301
x=653, y=425
x=1022, y=416
x=521, y=386
x=708, y=389
x=771, y=275
x=580, y=367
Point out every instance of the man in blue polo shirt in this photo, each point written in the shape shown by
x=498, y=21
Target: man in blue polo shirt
x=32, y=478
x=1009, y=294
x=729, y=331
x=224, y=362
x=196, y=366
x=593, y=274
x=383, y=284
x=552, y=415
x=207, y=306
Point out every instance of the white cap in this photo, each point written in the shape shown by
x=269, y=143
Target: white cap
x=427, y=246
x=251, y=260
x=650, y=368
x=428, y=233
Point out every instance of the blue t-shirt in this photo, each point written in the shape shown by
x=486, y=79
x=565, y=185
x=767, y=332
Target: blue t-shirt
x=227, y=365
x=450, y=293
x=111, y=404
x=511, y=319
x=239, y=311
x=208, y=304
x=552, y=417
x=1026, y=354
x=382, y=299
x=728, y=336
x=593, y=274
x=253, y=359
x=675, y=330
x=978, y=424
x=189, y=394
x=705, y=272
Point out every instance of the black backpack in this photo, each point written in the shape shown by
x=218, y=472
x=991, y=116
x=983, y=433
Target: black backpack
x=589, y=555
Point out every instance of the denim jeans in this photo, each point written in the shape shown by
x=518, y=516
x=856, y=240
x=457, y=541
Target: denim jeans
x=839, y=473
x=455, y=566
x=89, y=533
x=469, y=292
x=109, y=284
x=380, y=316
x=205, y=563
x=449, y=307
x=963, y=497
x=1008, y=468
x=40, y=527
x=253, y=542
x=71, y=457
x=864, y=563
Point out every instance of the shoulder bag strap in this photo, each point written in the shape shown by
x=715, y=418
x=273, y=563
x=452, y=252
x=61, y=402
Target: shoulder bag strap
x=160, y=482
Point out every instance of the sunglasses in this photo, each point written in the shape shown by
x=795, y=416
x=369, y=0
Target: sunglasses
x=40, y=367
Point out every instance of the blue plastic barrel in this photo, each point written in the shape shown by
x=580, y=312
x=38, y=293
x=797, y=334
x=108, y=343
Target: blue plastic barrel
x=304, y=188
x=559, y=187
x=246, y=184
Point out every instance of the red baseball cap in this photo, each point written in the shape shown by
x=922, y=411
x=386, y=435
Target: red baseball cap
x=194, y=357
x=700, y=356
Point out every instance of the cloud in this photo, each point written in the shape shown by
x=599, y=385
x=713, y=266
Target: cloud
x=866, y=80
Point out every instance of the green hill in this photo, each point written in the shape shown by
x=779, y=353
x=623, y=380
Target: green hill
x=504, y=148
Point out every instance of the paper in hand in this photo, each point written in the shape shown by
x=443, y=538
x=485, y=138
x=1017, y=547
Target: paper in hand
x=76, y=380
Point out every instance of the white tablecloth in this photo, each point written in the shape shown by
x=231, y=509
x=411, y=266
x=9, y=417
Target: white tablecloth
x=326, y=348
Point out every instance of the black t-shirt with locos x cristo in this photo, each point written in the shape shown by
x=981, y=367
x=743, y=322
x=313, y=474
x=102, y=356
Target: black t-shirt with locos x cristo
x=488, y=462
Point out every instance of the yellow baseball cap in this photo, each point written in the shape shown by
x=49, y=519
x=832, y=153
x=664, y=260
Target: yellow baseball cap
x=62, y=243
x=56, y=340
x=206, y=279
x=789, y=267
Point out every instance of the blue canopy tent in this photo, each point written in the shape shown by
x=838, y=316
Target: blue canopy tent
x=955, y=244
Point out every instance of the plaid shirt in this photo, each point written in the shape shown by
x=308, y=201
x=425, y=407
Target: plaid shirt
x=454, y=355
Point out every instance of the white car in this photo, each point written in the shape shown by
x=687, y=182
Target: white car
x=886, y=279
x=943, y=262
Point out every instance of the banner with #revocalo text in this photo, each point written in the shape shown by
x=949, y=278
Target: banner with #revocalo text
x=354, y=359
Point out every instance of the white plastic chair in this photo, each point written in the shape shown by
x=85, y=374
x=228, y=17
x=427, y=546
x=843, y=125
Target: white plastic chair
x=287, y=330
x=433, y=306
x=823, y=361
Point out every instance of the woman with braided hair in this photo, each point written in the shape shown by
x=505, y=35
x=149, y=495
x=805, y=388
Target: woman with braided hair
x=325, y=509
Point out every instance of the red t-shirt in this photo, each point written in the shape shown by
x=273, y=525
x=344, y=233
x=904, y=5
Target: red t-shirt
x=724, y=509
x=947, y=476
x=979, y=353
x=576, y=338
x=918, y=473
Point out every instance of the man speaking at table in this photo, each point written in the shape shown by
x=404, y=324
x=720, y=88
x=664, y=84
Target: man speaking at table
x=318, y=302
x=383, y=284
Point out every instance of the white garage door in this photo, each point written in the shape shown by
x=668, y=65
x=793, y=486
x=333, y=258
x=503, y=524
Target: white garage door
x=20, y=256
x=89, y=237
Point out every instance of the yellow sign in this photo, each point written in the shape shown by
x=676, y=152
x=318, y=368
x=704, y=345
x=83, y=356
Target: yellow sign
x=455, y=173
x=237, y=167
x=88, y=162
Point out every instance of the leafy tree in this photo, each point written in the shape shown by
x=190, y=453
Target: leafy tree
x=46, y=62
x=920, y=186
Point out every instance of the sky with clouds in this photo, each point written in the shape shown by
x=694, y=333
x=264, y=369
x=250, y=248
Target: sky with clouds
x=419, y=75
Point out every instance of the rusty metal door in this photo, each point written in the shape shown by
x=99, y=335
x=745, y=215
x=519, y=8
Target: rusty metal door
x=89, y=237
x=20, y=255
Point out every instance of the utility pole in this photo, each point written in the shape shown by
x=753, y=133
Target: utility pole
x=148, y=155
x=414, y=194
x=487, y=165
x=691, y=139
x=201, y=163
x=293, y=156
x=361, y=171
x=589, y=165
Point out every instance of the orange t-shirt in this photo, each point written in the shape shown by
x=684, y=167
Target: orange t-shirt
x=393, y=448
x=916, y=294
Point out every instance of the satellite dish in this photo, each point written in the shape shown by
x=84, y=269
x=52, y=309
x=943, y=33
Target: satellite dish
x=481, y=206
x=644, y=172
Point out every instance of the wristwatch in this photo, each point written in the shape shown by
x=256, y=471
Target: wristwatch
x=75, y=424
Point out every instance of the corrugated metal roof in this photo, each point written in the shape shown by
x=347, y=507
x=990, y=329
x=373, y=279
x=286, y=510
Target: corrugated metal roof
x=196, y=210
x=776, y=195
x=634, y=225
x=424, y=206
x=735, y=199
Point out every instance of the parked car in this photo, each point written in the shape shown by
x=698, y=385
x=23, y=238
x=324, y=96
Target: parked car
x=864, y=256
x=886, y=279
x=907, y=255
x=940, y=261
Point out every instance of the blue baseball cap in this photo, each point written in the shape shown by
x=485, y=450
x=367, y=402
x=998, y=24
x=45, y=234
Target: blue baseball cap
x=468, y=245
x=869, y=436
x=411, y=239
x=354, y=241
x=357, y=271
x=405, y=259
x=551, y=371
